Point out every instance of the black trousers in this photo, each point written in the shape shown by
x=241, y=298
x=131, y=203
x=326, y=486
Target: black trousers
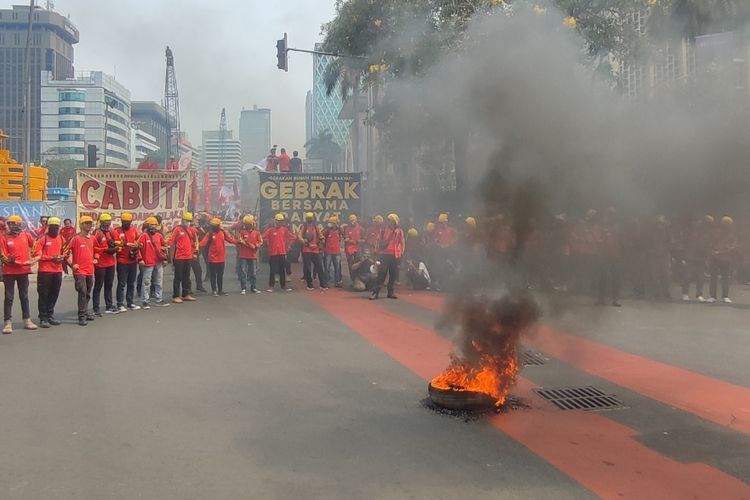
x=608, y=275
x=278, y=266
x=717, y=268
x=104, y=279
x=181, y=284
x=10, y=281
x=48, y=289
x=216, y=272
x=388, y=265
x=313, y=262
x=84, y=285
x=126, y=276
x=195, y=264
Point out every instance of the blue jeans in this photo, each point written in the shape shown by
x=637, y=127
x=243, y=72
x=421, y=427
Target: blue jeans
x=248, y=270
x=152, y=275
x=335, y=262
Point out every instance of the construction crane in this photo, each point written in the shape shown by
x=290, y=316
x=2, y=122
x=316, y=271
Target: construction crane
x=172, y=107
x=222, y=141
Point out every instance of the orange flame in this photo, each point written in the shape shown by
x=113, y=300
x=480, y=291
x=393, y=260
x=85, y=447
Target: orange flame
x=494, y=376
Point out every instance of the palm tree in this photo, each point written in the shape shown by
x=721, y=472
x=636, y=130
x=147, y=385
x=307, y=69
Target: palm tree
x=324, y=147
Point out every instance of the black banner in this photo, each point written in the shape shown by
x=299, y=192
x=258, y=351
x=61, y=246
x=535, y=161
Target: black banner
x=322, y=194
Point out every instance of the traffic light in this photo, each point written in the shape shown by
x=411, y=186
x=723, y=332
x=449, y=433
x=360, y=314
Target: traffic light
x=91, y=156
x=282, y=53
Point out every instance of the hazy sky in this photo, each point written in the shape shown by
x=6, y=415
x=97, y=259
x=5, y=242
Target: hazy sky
x=225, y=54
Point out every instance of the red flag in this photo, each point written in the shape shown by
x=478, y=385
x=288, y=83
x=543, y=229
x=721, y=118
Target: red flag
x=146, y=164
x=207, y=189
x=194, y=193
x=173, y=165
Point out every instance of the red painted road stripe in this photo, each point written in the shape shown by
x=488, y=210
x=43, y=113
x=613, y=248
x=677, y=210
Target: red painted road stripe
x=714, y=400
x=596, y=452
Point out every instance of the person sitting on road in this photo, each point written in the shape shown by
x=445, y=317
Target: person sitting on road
x=364, y=272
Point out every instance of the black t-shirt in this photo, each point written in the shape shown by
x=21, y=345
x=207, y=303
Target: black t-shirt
x=363, y=270
x=295, y=165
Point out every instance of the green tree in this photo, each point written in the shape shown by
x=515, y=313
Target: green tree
x=324, y=147
x=61, y=171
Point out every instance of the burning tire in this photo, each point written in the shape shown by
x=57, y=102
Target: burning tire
x=460, y=400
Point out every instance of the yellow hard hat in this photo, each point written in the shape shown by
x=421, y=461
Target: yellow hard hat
x=279, y=217
x=378, y=219
x=126, y=217
x=151, y=221
x=443, y=217
x=708, y=219
x=413, y=233
x=430, y=227
x=353, y=218
x=85, y=219
x=216, y=221
x=394, y=218
x=15, y=218
x=334, y=219
x=53, y=221
x=309, y=216
x=727, y=220
x=471, y=221
x=248, y=219
x=105, y=218
x=187, y=216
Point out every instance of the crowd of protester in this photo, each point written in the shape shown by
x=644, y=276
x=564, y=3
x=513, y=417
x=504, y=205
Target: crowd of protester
x=598, y=254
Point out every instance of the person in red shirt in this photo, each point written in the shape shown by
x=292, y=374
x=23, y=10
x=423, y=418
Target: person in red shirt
x=152, y=257
x=68, y=230
x=444, y=238
x=185, y=241
x=216, y=239
x=48, y=251
x=80, y=248
x=249, y=241
x=104, y=270
x=15, y=251
x=311, y=239
x=372, y=233
x=332, y=261
x=391, y=248
x=42, y=229
x=277, y=238
x=272, y=161
x=126, y=239
x=284, y=162
x=353, y=240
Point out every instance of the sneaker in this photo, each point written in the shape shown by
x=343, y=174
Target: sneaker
x=90, y=317
x=288, y=289
x=243, y=292
x=29, y=325
x=392, y=296
x=311, y=288
x=270, y=290
x=177, y=300
x=44, y=324
x=201, y=290
x=324, y=288
x=54, y=322
x=82, y=322
x=161, y=303
x=111, y=310
x=8, y=327
x=727, y=300
x=711, y=300
x=254, y=290
x=685, y=297
x=215, y=294
x=189, y=298
x=701, y=299
x=98, y=314
x=145, y=306
x=339, y=285
x=224, y=294
x=122, y=309
x=616, y=304
x=134, y=307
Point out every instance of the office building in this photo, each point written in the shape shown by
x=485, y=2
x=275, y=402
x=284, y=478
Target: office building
x=143, y=144
x=308, y=116
x=325, y=108
x=255, y=134
x=151, y=117
x=92, y=108
x=221, y=154
x=52, y=40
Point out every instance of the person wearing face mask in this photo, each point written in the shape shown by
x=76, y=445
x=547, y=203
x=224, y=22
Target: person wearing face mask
x=152, y=257
x=48, y=251
x=15, y=251
x=332, y=258
x=311, y=238
x=185, y=241
x=353, y=240
x=68, y=230
x=215, y=240
x=80, y=249
x=127, y=263
x=391, y=248
x=250, y=241
x=105, y=250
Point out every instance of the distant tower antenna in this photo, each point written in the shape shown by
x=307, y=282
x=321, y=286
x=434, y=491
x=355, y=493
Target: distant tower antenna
x=172, y=105
x=222, y=140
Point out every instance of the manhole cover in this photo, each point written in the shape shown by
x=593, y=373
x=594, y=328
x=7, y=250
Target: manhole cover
x=581, y=398
x=532, y=358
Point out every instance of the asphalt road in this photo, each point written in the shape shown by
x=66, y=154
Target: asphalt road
x=317, y=395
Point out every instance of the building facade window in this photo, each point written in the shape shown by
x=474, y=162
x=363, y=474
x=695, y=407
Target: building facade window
x=117, y=154
x=72, y=96
x=72, y=111
x=117, y=142
x=70, y=151
x=70, y=137
x=70, y=124
x=117, y=130
x=117, y=118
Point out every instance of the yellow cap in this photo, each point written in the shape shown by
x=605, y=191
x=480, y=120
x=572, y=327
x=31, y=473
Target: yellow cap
x=105, y=218
x=334, y=219
x=126, y=217
x=394, y=218
x=309, y=216
x=353, y=218
x=15, y=218
x=85, y=219
x=248, y=219
x=187, y=216
x=430, y=227
x=708, y=219
x=413, y=233
x=53, y=221
x=727, y=220
x=151, y=221
x=279, y=217
x=443, y=217
x=378, y=219
x=216, y=221
x=471, y=221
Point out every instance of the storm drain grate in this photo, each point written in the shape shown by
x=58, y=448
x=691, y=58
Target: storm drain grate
x=581, y=398
x=532, y=358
